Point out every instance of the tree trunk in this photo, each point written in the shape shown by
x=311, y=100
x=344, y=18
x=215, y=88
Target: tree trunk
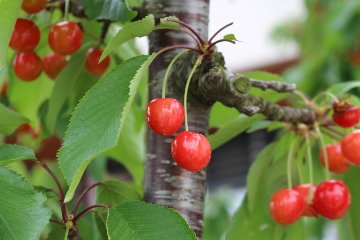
x=165, y=183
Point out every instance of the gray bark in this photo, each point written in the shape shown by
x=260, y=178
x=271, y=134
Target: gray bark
x=165, y=183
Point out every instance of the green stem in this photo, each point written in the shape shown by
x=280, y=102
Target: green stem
x=310, y=162
x=197, y=63
x=323, y=147
x=290, y=155
x=66, y=15
x=66, y=233
x=329, y=94
x=168, y=70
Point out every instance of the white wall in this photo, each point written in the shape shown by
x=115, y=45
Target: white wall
x=254, y=21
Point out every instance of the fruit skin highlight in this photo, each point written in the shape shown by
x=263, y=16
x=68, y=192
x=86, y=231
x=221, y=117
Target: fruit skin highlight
x=65, y=37
x=25, y=37
x=165, y=116
x=350, y=147
x=191, y=151
x=287, y=206
x=337, y=161
x=53, y=64
x=332, y=199
x=27, y=66
x=92, y=63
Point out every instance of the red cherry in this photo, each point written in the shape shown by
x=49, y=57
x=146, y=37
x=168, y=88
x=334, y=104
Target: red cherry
x=165, y=115
x=346, y=115
x=4, y=88
x=337, y=161
x=287, y=206
x=65, y=37
x=191, y=151
x=25, y=37
x=350, y=147
x=27, y=66
x=53, y=64
x=304, y=191
x=332, y=199
x=92, y=63
x=33, y=6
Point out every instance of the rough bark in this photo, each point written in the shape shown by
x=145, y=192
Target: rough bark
x=165, y=183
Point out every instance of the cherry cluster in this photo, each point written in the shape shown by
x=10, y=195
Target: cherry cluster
x=190, y=150
x=331, y=198
x=64, y=39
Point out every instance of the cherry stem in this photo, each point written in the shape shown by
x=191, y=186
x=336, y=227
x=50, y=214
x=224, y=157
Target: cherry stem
x=87, y=210
x=197, y=63
x=302, y=96
x=176, y=47
x=310, y=162
x=323, y=147
x=329, y=94
x=340, y=134
x=66, y=233
x=190, y=28
x=218, y=31
x=61, y=190
x=82, y=195
x=168, y=70
x=192, y=36
x=330, y=134
x=290, y=155
x=219, y=41
x=66, y=15
x=104, y=30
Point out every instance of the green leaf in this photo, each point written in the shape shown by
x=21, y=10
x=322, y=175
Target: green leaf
x=166, y=24
x=23, y=214
x=12, y=153
x=9, y=11
x=139, y=28
x=348, y=226
x=230, y=37
x=139, y=221
x=113, y=193
x=98, y=120
x=65, y=82
x=232, y=129
x=27, y=97
x=344, y=87
x=130, y=150
x=9, y=120
x=113, y=10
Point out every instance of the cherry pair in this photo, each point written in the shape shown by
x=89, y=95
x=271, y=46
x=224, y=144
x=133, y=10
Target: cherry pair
x=190, y=150
x=331, y=199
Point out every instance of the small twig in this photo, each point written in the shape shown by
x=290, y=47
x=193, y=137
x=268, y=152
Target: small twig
x=176, y=47
x=190, y=28
x=219, y=41
x=82, y=195
x=104, y=30
x=87, y=210
x=274, y=85
x=61, y=190
x=218, y=31
x=192, y=36
x=330, y=134
x=335, y=131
